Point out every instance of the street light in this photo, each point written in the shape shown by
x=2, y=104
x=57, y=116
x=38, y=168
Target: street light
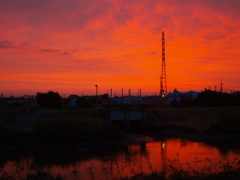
x=96, y=90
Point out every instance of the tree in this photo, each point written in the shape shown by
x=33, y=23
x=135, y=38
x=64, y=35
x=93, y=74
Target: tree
x=49, y=100
x=186, y=101
x=105, y=96
x=84, y=103
x=209, y=98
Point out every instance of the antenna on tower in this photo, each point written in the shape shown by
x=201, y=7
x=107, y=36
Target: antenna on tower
x=163, y=78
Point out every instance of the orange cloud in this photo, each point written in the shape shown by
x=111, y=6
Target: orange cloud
x=71, y=45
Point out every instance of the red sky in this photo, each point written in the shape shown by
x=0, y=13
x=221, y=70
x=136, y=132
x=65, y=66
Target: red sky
x=68, y=46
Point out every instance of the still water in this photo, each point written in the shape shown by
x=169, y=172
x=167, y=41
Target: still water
x=105, y=162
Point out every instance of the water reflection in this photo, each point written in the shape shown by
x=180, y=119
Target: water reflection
x=114, y=162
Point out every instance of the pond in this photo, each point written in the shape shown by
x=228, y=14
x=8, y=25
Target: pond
x=107, y=162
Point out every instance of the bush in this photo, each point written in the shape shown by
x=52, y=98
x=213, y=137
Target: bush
x=49, y=100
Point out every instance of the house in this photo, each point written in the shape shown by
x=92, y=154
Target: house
x=176, y=95
x=72, y=100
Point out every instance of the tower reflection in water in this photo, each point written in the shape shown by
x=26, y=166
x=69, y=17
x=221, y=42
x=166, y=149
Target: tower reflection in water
x=144, y=157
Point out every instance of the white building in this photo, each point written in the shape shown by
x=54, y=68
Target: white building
x=176, y=95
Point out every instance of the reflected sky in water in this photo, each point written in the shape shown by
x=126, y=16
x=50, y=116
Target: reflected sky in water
x=102, y=163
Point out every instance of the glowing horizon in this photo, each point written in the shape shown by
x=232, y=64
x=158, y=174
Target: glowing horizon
x=69, y=46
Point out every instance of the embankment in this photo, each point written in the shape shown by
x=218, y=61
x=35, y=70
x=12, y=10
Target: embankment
x=208, y=123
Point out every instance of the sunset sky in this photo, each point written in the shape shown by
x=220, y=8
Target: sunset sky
x=69, y=46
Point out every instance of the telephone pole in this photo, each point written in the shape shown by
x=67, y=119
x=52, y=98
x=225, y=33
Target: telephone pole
x=221, y=85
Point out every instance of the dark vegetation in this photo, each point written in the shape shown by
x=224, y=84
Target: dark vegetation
x=214, y=112
x=67, y=131
x=79, y=125
x=208, y=98
x=55, y=131
x=226, y=124
x=58, y=131
x=51, y=132
x=49, y=100
x=11, y=135
x=214, y=120
x=173, y=170
x=39, y=175
x=84, y=103
x=216, y=99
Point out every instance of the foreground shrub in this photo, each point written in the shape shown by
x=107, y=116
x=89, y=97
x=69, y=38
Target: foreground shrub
x=38, y=175
x=62, y=130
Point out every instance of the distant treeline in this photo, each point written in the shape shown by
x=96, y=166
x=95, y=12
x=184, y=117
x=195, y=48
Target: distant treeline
x=53, y=100
x=208, y=98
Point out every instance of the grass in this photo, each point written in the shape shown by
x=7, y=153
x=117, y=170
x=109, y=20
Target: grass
x=58, y=131
x=192, y=118
x=57, y=126
x=226, y=124
x=68, y=127
x=11, y=135
x=223, y=169
x=68, y=130
x=174, y=170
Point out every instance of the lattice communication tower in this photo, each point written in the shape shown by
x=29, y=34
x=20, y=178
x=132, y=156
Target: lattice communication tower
x=163, y=78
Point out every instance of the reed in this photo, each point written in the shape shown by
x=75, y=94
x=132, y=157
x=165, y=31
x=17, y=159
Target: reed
x=174, y=170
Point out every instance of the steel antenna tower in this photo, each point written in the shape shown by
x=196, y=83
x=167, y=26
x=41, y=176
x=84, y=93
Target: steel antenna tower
x=163, y=78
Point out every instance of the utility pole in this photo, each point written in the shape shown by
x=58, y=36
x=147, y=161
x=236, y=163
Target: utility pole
x=221, y=85
x=129, y=92
x=96, y=90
